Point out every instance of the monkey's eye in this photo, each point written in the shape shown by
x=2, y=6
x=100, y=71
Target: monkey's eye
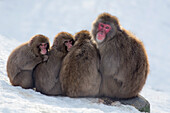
x=107, y=27
x=101, y=25
x=65, y=41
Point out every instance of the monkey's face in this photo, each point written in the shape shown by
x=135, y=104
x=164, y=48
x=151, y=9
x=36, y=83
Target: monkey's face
x=105, y=27
x=68, y=44
x=39, y=45
x=102, y=31
x=63, y=42
x=43, y=48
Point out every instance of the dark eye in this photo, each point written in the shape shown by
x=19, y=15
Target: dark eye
x=101, y=25
x=107, y=27
x=40, y=45
x=66, y=42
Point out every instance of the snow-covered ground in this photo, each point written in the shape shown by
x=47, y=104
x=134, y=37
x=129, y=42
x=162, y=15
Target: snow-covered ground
x=147, y=19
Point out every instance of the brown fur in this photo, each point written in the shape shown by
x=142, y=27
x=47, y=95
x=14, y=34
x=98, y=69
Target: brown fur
x=22, y=61
x=79, y=74
x=46, y=74
x=124, y=63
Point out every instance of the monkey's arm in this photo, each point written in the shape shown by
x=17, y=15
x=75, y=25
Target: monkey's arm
x=30, y=65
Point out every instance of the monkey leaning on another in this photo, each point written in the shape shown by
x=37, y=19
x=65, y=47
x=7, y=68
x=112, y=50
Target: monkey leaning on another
x=46, y=74
x=24, y=58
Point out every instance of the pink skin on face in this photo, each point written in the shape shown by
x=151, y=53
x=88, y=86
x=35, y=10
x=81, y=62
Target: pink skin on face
x=103, y=29
x=68, y=44
x=43, y=47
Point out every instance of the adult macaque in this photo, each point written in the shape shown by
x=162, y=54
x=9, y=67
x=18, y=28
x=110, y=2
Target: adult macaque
x=124, y=63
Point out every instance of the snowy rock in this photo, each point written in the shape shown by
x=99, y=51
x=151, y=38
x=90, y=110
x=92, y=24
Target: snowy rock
x=138, y=102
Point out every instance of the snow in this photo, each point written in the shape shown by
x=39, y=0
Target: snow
x=147, y=19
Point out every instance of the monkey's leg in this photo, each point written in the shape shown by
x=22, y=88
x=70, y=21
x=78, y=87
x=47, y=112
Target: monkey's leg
x=56, y=90
x=110, y=86
x=23, y=79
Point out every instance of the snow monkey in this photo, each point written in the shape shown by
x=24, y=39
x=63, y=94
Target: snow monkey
x=79, y=75
x=124, y=63
x=24, y=58
x=46, y=74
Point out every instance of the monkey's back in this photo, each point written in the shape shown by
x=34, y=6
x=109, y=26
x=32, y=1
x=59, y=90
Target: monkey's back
x=79, y=74
x=17, y=59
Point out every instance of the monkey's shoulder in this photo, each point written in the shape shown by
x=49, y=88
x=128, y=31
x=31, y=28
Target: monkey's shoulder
x=21, y=55
x=133, y=42
x=18, y=52
x=130, y=37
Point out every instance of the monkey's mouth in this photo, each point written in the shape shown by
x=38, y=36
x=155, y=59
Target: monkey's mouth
x=100, y=36
x=43, y=51
x=69, y=47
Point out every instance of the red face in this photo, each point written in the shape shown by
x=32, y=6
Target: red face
x=68, y=44
x=103, y=29
x=43, y=48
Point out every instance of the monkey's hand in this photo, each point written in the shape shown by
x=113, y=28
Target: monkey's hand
x=45, y=58
x=30, y=65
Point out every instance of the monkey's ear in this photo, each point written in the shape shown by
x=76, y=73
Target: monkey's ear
x=30, y=42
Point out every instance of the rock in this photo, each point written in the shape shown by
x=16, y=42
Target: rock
x=138, y=102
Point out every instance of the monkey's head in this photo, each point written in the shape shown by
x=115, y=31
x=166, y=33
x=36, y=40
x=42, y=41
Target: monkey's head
x=82, y=35
x=39, y=44
x=63, y=41
x=104, y=27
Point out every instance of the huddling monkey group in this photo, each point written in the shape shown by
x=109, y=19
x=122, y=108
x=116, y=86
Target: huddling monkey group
x=109, y=62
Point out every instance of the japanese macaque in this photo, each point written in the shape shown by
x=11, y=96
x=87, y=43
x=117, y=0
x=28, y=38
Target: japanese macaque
x=79, y=75
x=46, y=74
x=23, y=60
x=124, y=63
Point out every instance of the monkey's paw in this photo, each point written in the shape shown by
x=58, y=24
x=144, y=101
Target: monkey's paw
x=45, y=58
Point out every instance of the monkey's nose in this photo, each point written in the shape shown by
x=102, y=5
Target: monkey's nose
x=102, y=32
